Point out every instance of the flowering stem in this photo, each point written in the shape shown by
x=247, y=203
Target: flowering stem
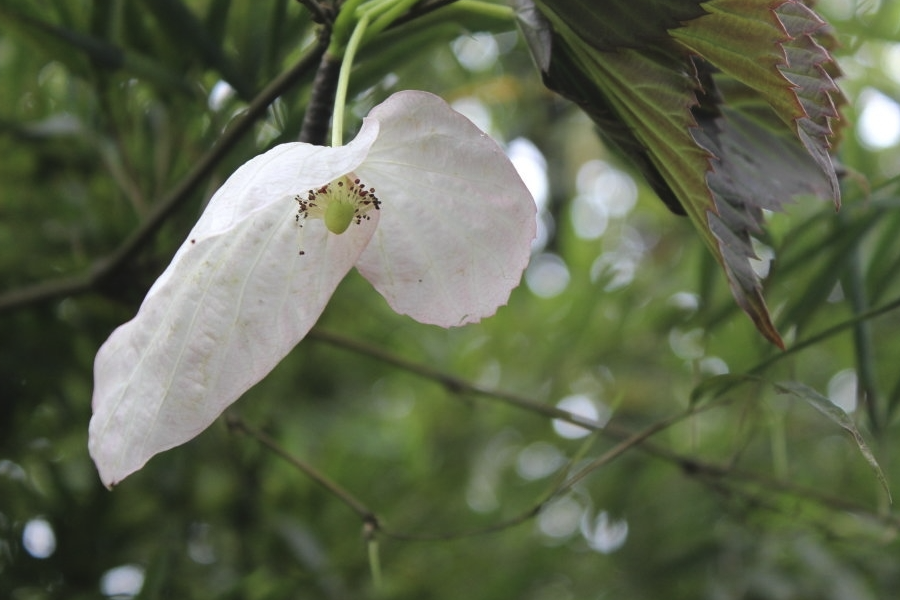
x=374, y=561
x=488, y=9
x=340, y=98
x=373, y=16
x=384, y=12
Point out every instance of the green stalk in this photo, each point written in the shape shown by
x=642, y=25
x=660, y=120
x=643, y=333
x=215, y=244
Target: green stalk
x=385, y=12
x=341, y=29
x=374, y=562
x=863, y=345
x=487, y=9
x=340, y=97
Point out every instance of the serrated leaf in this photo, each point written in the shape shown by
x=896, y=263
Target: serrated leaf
x=646, y=88
x=726, y=113
x=836, y=415
x=758, y=165
x=632, y=24
x=772, y=51
x=744, y=39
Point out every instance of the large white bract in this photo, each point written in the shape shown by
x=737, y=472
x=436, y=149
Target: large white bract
x=446, y=246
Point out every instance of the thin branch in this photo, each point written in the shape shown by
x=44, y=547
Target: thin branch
x=321, y=104
x=371, y=523
x=235, y=423
x=690, y=466
x=320, y=14
x=107, y=267
x=724, y=479
x=707, y=471
x=556, y=490
x=632, y=440
x=825, y=334
x=453, y=384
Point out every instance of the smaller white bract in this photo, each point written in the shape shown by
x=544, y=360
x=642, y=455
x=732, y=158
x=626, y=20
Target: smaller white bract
x=427, y=207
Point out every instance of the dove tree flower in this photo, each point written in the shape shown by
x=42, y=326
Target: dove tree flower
x=425, y=205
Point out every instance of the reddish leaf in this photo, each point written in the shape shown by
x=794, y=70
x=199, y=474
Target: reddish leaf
x=726, y=107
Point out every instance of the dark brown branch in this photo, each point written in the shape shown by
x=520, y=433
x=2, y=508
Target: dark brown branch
x=321, y=102
x=107, y=267
x=320, y=14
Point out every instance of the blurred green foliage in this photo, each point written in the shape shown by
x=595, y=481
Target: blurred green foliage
x=106, y=106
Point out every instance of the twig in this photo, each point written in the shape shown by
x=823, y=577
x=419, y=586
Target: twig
x=632, y=440
x=690, y=466
x=373, y=526
x=107, y=267
x=235, y=423
x=725, y=479
x=454, y=384
x=320, y=15
x=556, y=491
x=825, y=334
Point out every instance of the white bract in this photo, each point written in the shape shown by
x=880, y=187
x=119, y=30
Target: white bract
x=422, y=203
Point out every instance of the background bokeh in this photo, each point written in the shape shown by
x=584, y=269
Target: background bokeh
x=106, y=106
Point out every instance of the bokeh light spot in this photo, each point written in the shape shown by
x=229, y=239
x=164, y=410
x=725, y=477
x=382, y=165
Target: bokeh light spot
x=476, y=52
x=122, y=582
x=604, y=534
x=532, y=168
x=538, y=460
x=879, y=121
x=38, y=538
x=547, y=275
x=582, y=406
x=842, y=390
x=560, y=519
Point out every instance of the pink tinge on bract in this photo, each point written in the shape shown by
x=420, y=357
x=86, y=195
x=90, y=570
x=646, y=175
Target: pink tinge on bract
x=457, y=222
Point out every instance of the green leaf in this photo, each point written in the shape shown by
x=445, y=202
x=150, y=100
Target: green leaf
x=188, y=33
x=81, y=52
x=839, y=417
x=726, y=108
x=633, y=24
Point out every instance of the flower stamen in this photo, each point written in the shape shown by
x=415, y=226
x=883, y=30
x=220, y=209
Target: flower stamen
x=339, y=203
